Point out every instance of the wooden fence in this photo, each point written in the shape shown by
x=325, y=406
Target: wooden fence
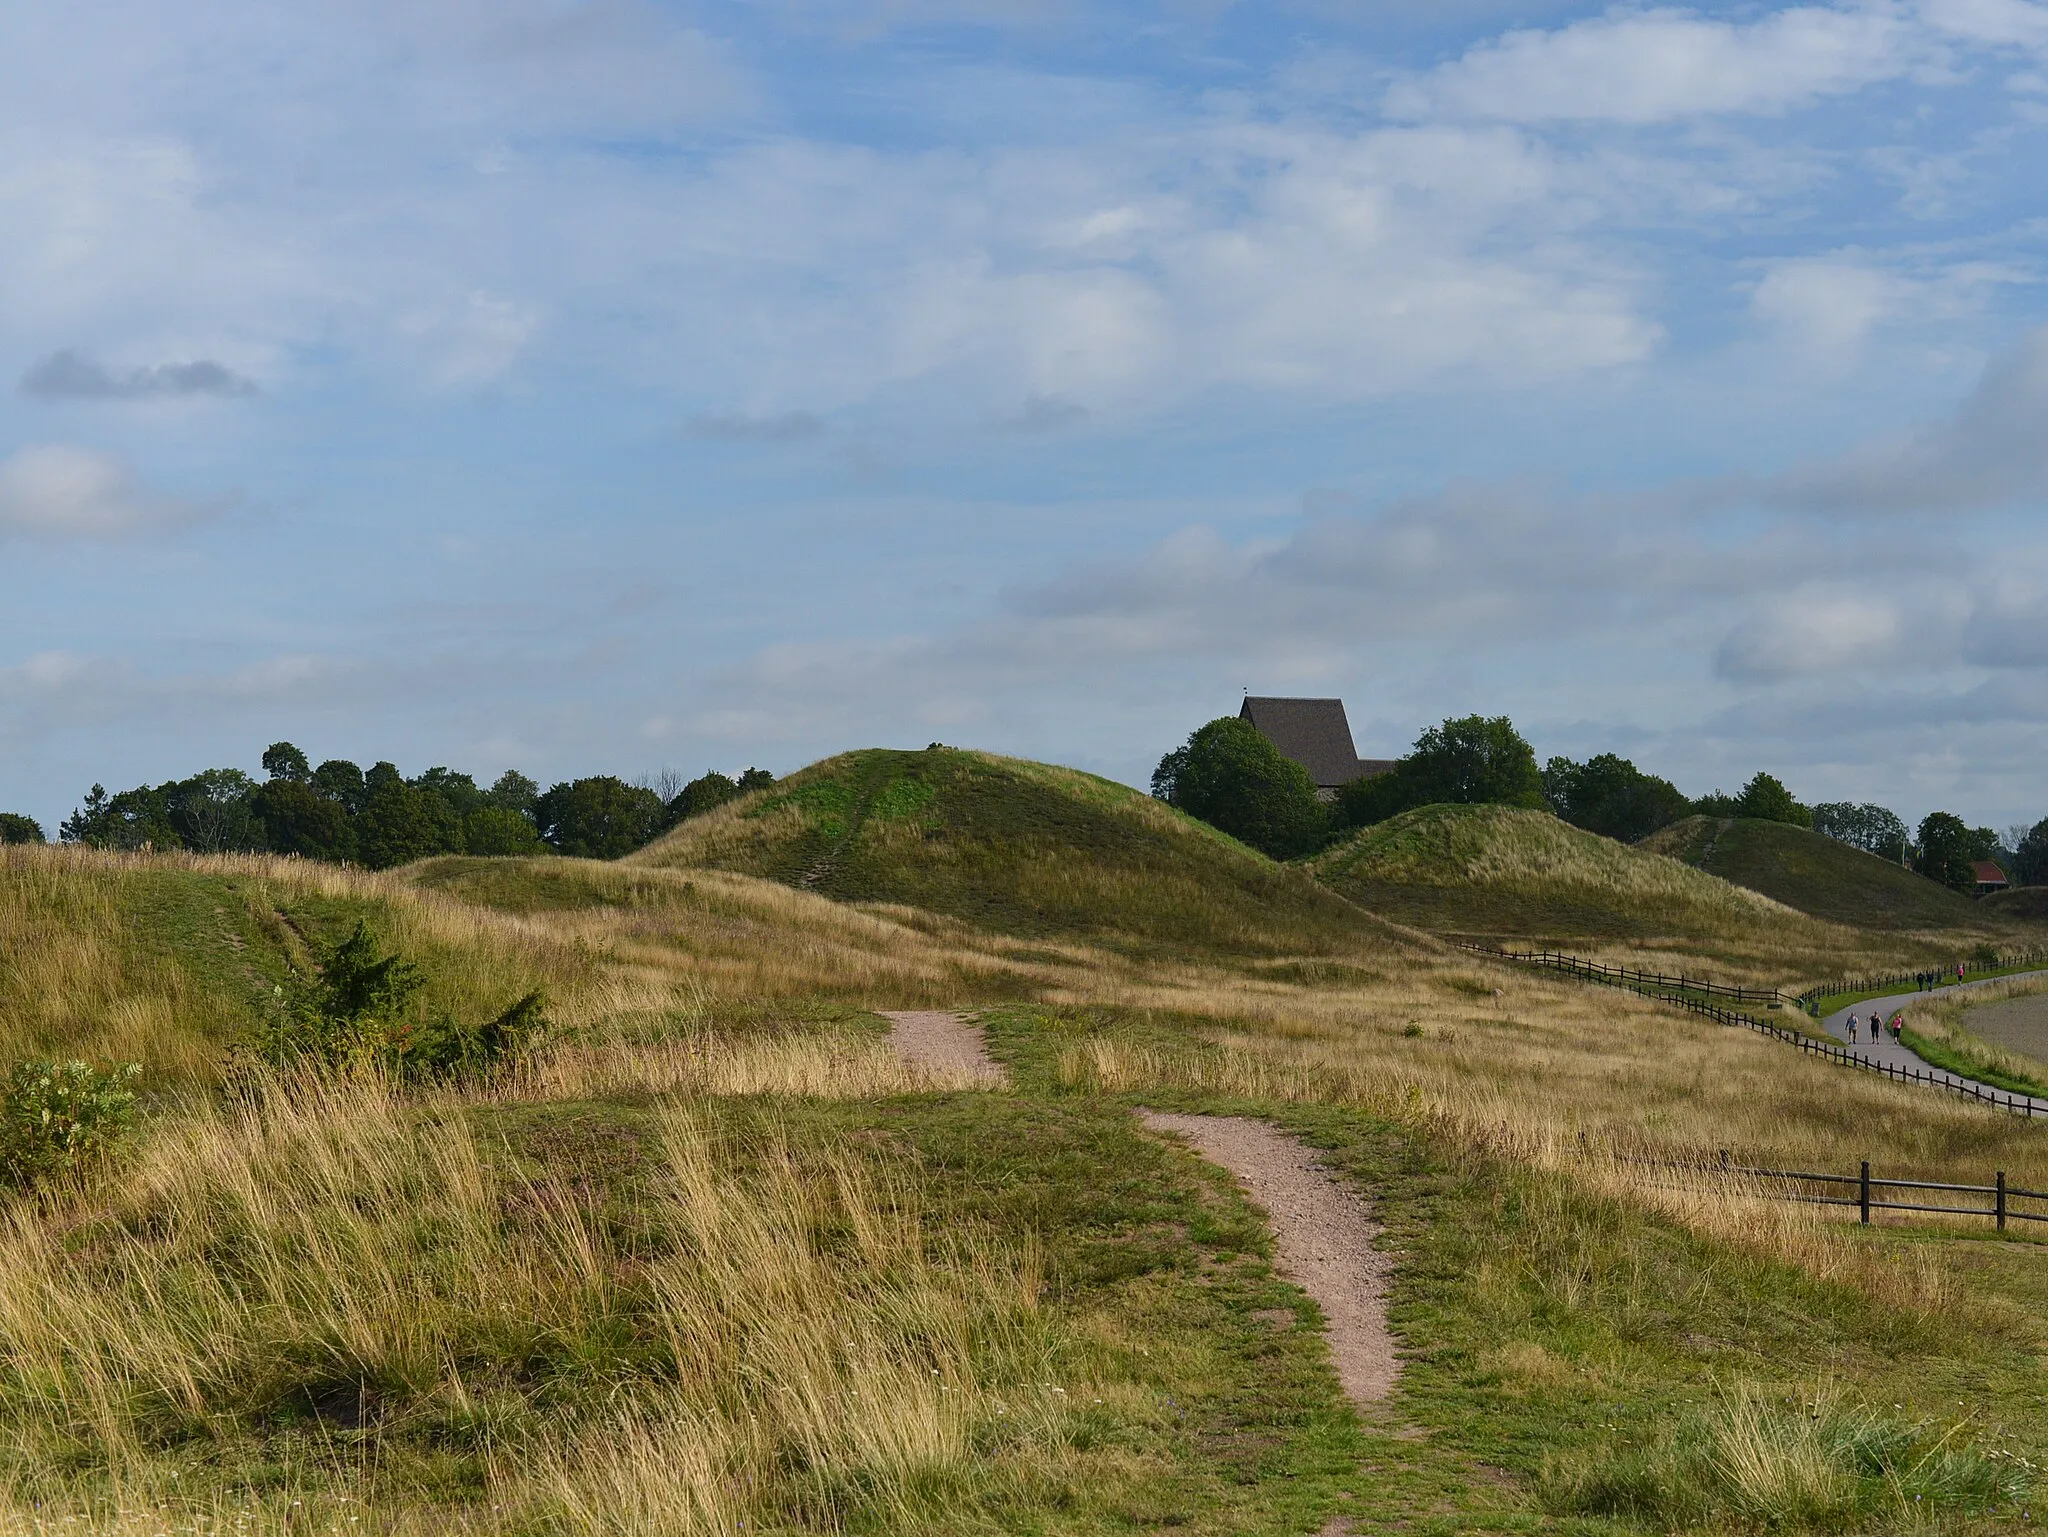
x=1628, y=976
x=1998, y=1099
x=1866, y=1193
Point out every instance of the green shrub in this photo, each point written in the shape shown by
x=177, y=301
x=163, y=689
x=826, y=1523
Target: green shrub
x=58, y=1116
x=1230, y=776
x=364, y=1013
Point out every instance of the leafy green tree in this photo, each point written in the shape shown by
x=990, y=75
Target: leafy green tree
x=15, y=828
x=297, y=819
x=702, y=795
x=341, y=781
x=1231, y=777
x=212, y=812
x=1766, y=799
x=134, y=819
x=1869, y=827
x=601, y=817
x=496, y=830
x=2030, y=858
x=398, y=823
x=514, y=792
x=755, y=779
x=281, y=760
x=1472, y=761
x=1945, y=851
x=1611, y=796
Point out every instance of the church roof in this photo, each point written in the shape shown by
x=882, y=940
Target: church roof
x=1315, y=734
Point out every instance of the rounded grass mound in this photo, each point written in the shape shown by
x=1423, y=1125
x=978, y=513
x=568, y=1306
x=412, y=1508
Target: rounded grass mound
x=1818, y=875
x=1018, y=848
x=1499, y=870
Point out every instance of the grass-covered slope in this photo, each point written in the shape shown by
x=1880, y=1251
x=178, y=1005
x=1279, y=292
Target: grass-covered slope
x=1816, y=874
x=1496, y=870
x=1017, y=848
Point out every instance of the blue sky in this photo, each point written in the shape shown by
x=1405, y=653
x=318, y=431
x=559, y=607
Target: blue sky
x=614, y=386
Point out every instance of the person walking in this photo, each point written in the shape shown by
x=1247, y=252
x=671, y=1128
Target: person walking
x=1898, y=1025
x=1852, y=1029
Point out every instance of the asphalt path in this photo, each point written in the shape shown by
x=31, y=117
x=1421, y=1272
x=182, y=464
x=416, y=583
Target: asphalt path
x=1883, y=1051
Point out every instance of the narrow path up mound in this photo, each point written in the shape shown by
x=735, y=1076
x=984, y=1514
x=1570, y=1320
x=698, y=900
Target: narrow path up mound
x=1324, y=1233
x=1021, y=849
x=1500, y=871
x=1818, y=875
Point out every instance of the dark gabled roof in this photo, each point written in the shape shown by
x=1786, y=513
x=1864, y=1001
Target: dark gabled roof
x=1988, y=873
x=1315, y=734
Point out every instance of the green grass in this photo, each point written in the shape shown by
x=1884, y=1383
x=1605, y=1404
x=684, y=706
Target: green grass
x=1959, y=1058
x=1591, y=1358
x=1821, y=876
x=1019, y=849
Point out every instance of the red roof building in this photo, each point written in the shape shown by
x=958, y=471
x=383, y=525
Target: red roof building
x=1989, y=877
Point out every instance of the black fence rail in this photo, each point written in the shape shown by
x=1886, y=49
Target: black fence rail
x=1628, y=976
x=1868, y=1194
x=2016, y=1104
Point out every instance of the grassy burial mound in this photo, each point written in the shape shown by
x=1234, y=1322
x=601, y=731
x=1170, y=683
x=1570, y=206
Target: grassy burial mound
x=1017, y=848
x=1503, y=872
x=1818, y=875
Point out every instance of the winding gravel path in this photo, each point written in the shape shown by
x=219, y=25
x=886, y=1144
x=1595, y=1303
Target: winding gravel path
x=1324, y=1234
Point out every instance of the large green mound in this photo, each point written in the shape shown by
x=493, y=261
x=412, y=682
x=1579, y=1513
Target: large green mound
x=1818, y=875
x=1498, y=871
x=1018, y=848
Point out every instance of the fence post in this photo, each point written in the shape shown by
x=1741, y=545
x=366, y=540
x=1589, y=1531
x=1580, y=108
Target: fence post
x=2001, y=1200
x=1863, y=1197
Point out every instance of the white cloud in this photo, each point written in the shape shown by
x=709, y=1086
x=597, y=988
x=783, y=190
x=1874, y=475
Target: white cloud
x=1811, y=631
x=56, y=491
x=1827, y=302
x=1665, y=64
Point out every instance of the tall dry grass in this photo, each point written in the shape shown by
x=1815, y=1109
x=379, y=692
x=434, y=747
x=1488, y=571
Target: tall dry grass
x=800, y=1344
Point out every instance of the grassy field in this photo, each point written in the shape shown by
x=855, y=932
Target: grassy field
x=713, y=1259
x=1825, y=878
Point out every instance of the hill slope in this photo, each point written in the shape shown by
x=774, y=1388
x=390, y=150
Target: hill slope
x=1817, y=875
x=1018, y=848
x=1498, y=871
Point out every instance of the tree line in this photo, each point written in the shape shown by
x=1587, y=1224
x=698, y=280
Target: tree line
x=379, y=818
x=1229, y=775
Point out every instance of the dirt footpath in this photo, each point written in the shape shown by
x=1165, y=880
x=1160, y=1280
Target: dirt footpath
x=1324, y=1235
x=943, y=1041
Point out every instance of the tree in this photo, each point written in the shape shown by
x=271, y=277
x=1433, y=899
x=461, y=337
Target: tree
x=15, y=828
x=2030, y=856
x=755, y=779
x=496, y=830
x=397, y=824
x=1869, y=827
x=1945, y=851
x=701, y=795
x=341, y=781
x=599, y=818
x=1765, y=799
x=1472, y=761
x=281, y=760
x=212, y=813
x=514, y=792
x=296, y=819
x=134, y=819
x=1611, y=796
x=1230, y=776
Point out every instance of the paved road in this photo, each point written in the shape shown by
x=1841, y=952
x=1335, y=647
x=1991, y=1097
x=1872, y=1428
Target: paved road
x=1837, y=1025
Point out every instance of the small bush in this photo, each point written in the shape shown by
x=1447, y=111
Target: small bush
x=365, y=1014
x=58, y=1116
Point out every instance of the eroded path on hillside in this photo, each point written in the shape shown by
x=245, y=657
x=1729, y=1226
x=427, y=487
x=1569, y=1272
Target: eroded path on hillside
x=1324, y=1233
x=945, y=1041
x=1885, y=1053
